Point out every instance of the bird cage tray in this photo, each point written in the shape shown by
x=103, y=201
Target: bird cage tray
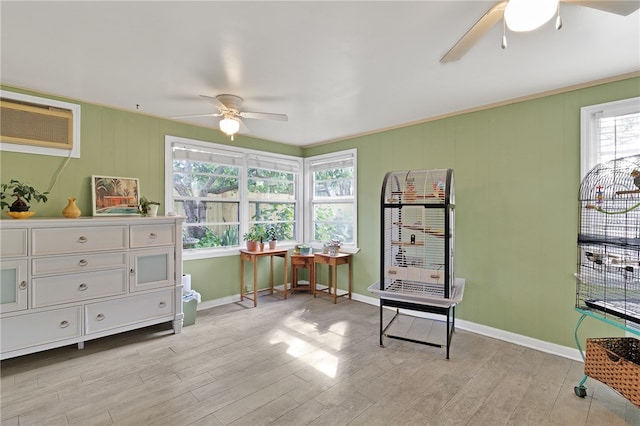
x=419, y=293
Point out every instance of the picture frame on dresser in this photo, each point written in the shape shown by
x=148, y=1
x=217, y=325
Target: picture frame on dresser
x=115, y=196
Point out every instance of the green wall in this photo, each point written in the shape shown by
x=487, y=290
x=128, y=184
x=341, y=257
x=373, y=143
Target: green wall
x=517, y=177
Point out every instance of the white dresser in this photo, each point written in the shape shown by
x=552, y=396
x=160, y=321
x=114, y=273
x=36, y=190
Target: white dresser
x=66, y=281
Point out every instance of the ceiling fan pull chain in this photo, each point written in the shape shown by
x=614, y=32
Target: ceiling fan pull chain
x=558, y=18
x=504, y=34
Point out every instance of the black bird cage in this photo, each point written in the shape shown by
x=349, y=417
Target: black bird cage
x=608, y=276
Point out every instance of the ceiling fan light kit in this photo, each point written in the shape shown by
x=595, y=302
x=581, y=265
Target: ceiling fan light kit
x=230, y=109
x=528, y=15
x=229, y=126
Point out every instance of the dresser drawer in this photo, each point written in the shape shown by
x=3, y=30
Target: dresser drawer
x=78, y=240
x=152, y=235
x=52, y=290
x=40, y=328
x=13, y=242
x=78, y=263
x=133, y=309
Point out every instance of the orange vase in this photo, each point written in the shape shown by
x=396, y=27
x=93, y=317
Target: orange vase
x=71, y=211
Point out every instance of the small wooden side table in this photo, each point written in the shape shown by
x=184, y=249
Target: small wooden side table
x=303, y=261
x=253, y=256
x=332, y=263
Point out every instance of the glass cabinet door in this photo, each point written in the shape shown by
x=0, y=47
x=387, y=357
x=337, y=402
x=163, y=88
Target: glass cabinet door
x=13, y=285
x=153, y=268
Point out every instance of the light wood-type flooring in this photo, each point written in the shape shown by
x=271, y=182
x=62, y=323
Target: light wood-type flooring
x=300, y=361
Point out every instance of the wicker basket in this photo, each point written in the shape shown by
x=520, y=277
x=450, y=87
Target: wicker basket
x=615, y=362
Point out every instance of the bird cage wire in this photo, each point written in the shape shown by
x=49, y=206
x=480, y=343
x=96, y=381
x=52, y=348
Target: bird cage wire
x=418, y=233
x=608, y=277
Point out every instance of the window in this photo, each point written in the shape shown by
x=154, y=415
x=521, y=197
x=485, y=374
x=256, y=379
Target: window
x=222, y=192
x=609, y=131
x=271, y=191
x=331, y=197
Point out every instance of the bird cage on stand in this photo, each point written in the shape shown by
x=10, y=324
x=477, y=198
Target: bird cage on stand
x=608, y=267
x=417, y=249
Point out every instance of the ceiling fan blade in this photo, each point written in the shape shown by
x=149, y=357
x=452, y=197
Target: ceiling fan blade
x=243, y=128
x=472, y=36
x=214, y=101
x=623, y=8
x=213, y=114
x=264, y=116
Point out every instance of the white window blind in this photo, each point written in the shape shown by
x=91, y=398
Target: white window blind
x=609, y=131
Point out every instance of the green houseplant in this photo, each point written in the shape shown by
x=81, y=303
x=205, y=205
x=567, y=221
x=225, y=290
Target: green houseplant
x=147, y=208
x=271, y=232
x=24, y=194
x=253, y=237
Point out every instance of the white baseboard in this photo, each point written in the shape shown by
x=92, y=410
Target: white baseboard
x=495, y=333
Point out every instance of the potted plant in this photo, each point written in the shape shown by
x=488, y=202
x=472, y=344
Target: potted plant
x=24, y=194
x=148, y=208
x=271, y=233
x=253, y=236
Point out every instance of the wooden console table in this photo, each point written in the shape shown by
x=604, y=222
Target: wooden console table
x=253, y=256
x=332, y=263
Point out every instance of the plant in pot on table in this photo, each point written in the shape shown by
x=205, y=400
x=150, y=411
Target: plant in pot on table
x=253, y=237
x=272, y=232
x=148, y=208
x=24, y=194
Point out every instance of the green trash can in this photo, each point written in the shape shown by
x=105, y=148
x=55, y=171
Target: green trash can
x=189, y=308
x=190, y=301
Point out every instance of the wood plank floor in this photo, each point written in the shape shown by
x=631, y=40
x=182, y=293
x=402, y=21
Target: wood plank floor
x=302, y=361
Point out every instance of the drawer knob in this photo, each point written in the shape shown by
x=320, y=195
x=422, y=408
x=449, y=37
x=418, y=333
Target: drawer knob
x=100, y=317
x=163, y=304
x=132, y=271
x=153, y=235
x=83, y=239
x=435, y=276
x=23, y=285
x=83, y=262
x=64, y=324
x=82, y=287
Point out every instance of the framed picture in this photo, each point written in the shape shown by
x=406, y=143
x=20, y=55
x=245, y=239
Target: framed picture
x=114, y=196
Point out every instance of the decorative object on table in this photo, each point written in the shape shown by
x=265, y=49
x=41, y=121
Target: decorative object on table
x=271, y=232
x=114, y=196
x=148, y=208
x=24, y=194
x=72, y=210
x=253, y=237
x=331, y=248
x=304, y=249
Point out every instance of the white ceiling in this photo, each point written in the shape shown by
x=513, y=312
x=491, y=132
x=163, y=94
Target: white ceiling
x=337, y=69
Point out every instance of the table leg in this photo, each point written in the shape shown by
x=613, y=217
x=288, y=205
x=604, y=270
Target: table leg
x=349, y=279
x=285, y=275
x=255, y=282
x=335, y=284
x=241, y=278
x=271, y=273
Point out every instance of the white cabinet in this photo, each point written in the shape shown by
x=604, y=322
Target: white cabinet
x=13, y=285
x=66, y=281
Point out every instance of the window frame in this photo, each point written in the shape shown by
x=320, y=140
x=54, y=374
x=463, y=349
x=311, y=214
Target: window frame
x=333, y=157
x=588, y=128
x=247, y=155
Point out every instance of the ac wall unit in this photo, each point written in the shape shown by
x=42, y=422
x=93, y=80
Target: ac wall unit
x=35, y=125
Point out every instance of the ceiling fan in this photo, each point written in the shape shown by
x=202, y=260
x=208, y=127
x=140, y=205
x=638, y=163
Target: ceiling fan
x=229, y=108
x=544, y=10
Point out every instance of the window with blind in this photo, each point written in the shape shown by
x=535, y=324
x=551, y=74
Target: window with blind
x=222, y=192
x=609, y=131
x=331, y=198
x=272, y=188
